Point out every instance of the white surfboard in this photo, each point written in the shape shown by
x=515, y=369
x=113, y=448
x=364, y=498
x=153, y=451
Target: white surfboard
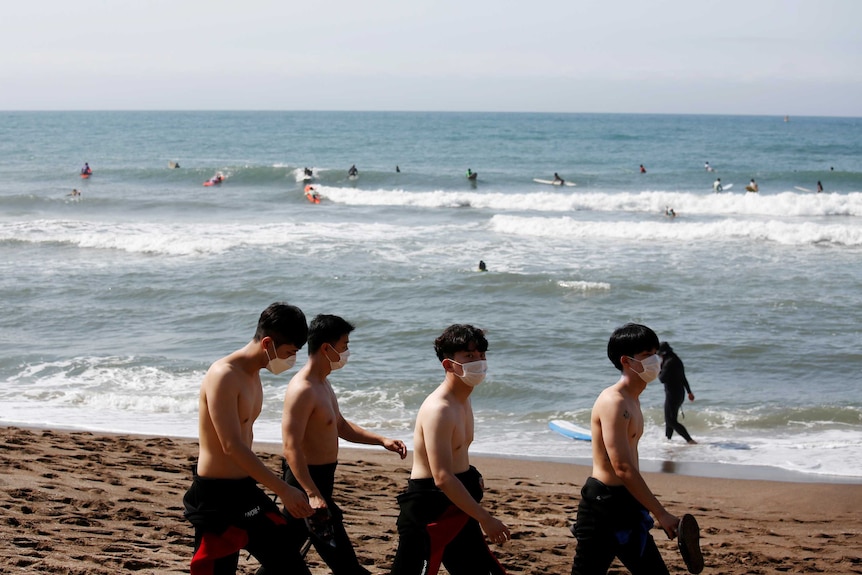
x=570, y=430
x=353, y=177
x=801, y=189
x=553, y=183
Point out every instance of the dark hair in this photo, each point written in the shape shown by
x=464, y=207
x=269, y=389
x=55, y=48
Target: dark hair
x=459, y=337
x=630, y=340
x=326, y=329
x=284, y=323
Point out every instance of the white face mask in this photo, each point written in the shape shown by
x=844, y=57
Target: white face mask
x=473, y=372
x=277, y=364
x=651, y=367
x=342, y=360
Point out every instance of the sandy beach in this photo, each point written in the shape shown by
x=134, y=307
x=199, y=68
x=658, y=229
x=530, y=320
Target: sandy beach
x=89, y=503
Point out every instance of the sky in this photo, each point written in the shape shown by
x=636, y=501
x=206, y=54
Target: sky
x=772, y=57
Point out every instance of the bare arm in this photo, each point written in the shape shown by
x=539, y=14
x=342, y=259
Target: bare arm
x=222, y=400
x=298, y=407
x=615, y=421
x=349, y=431
x=438, y=429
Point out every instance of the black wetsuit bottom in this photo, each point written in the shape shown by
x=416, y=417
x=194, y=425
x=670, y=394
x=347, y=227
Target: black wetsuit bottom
x=672, y=403
x=340, y=557
x=432, y=530
x=612, y=523
x=233, y=514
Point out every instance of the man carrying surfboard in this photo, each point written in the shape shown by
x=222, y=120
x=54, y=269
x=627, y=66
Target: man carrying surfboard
x=442, y=519
x=614, y=511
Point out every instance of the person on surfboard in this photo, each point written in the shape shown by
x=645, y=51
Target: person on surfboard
x=558, y=181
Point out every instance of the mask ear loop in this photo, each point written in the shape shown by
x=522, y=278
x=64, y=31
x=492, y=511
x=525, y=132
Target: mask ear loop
x=450, y=369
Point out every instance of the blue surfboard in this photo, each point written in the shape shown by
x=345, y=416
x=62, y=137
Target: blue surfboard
x=570, y=430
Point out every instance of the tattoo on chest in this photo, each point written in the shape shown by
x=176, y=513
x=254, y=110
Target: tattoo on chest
x=626, y=414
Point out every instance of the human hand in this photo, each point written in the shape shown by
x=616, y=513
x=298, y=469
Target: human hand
x=670, y=524
x=295, y=502
x=317, y=502
x=691, y=396
x=496, y=530
x=395, y=445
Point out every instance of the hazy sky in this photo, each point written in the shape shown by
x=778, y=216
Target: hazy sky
x=797, y=57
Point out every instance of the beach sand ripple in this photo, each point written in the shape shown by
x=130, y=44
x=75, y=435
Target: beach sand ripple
x=80, y=503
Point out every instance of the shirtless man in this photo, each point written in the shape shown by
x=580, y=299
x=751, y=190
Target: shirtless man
x=227, y=508
x=441, y=517
x=613, y=513
x=310, y=427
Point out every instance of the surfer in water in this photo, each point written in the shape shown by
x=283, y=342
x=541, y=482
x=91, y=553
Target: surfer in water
x=643, y=170
x=86, y=170
x=716, y=185
x=353, y=171
x=471, y=175
x=707, y=167
x=558, y=180
x=752, y=186
x=482, y=266
x=819, y=187
x=668, y=211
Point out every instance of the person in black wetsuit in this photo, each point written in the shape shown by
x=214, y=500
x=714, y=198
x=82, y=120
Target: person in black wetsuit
x=676, y=386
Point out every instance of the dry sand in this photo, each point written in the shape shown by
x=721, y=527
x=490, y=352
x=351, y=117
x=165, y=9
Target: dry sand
x=89, y=503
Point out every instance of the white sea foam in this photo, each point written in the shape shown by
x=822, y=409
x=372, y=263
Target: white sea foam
x=803, y=233
x=184, y=239
x=784, y=204
x=584, y=286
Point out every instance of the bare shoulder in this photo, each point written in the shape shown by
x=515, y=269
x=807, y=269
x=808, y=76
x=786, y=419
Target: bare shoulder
x=610, y=402
x=437, y=409
x=302, y=389
x=223, y=374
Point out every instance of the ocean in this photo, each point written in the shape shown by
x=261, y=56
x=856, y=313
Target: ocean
x=116, y=301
